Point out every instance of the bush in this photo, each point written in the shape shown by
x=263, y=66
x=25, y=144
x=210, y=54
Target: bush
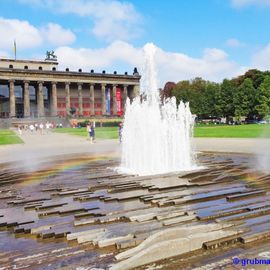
x=100, y=123
x=108, y=124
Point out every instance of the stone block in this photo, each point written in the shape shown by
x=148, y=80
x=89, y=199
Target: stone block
x=74, y=236
x=141, y=218
x=178, y=220
x=112, y=241
x=169, y=248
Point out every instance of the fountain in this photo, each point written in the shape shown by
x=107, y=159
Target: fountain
x=156, y=134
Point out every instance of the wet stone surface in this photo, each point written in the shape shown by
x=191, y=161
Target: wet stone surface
x=73, y=213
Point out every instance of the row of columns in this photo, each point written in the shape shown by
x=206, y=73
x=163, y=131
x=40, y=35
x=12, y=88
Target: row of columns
x=40, y=99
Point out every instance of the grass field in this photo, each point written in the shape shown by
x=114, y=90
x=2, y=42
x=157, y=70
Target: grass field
x=225, y=131
x=101, y=133
x=211, y=131
x=203, y=131
x=9, y=137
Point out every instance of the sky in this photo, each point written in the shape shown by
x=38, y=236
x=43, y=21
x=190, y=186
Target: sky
x=212, y=39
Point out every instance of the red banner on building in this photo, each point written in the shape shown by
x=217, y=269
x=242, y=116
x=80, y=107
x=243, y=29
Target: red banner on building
x=118, y=101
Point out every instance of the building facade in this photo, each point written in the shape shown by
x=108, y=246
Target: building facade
x=39, y=89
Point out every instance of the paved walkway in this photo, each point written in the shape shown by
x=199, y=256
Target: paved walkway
x=232, y=145
x=39, y=146
x=53, y=144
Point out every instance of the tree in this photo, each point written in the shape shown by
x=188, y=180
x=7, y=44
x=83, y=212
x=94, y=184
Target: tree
x=192, y=92
x=244, y=99
x=182, y=91
x=211, y=100
x=263, y=98
x=255, y=75
x=227, y=91
x=167, y=90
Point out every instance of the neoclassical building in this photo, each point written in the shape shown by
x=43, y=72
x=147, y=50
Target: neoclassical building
x=38, y=89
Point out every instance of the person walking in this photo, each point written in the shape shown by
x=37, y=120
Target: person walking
x=120, y=131
x=20, y=130
x=88, y=131
x=92, y=133
x=31, y=127
x=47, y=126
x=41, y=126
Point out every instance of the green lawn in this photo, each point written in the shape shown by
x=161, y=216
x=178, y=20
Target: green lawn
x=210, y=131
x=101, y=133
x=225, y=131
x=9, y=137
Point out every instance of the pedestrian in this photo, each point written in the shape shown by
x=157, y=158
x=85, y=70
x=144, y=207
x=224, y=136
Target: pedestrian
x=20, y=130
x=88, y=131
x=47, y=125
x=120, y=131
x=31, y=127
x=92, y=133
x=41, y=126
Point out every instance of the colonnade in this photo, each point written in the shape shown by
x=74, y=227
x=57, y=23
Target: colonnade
x=54, y=96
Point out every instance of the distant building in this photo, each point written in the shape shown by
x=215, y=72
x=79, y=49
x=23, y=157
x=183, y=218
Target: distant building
x=31, y=88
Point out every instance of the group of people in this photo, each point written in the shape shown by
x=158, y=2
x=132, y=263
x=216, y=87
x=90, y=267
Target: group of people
x=90, y=128
x=37, y=127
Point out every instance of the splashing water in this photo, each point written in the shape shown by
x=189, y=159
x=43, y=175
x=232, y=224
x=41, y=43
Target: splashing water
x=156, y=137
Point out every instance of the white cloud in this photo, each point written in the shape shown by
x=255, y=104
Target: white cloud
x=25, y=34
x=56, y=35
x=260, y=60
x=234, y=43
x=98, y=58
x=242, y=3
x=28, y=36
x=112, y=19
x=213, y=65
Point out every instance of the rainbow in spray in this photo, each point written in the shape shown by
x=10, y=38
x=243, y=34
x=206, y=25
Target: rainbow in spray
x=59, y=167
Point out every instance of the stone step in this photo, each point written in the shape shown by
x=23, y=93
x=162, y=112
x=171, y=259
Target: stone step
x=255, y=237
x=92, y=236
x=170, y=234
x=89, y=198
x=85, y=222
x=51, y=189
x=20, y=202
x=246, y=195
x=112, y=241
x=223, y=214
x=173, y=215
x=13, y=223
x=247, y=215
x=89, y=214
x=49, y=206
x=45, y=234
x=32, y=206
x=124, y=244
x=36, y=230
x=75, y=235
x=210, y=196
x=170, y=248
x=72, y=192
x=181, y=219
x=61, y=232
x=141, y=218
x=221, y=242
x=6, y=197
